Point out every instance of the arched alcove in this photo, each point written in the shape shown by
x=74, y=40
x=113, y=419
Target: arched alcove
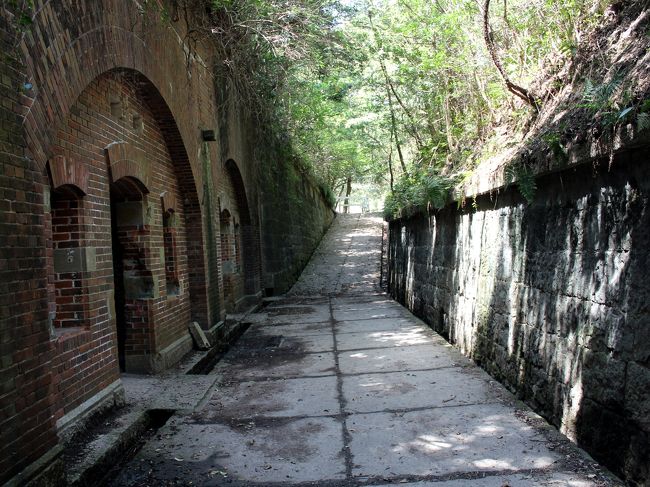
x=69, y=46
x=145, y=243
x=67, y=259
x=245, y=237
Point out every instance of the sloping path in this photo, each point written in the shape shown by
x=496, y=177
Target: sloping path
x=338, y=385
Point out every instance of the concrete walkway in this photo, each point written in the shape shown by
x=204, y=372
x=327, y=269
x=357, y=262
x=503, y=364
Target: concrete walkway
x=338, y=385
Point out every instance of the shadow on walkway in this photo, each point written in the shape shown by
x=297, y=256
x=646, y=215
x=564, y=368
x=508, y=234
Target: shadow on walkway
x=337, y=384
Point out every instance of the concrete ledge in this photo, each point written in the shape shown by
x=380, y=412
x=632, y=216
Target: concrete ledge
x=222, y=330
x=108, y=448
x=45, y=472
x=248, y=300
x=166, y=358
x=222, y=336
x=173, y=353
x=215, y=333
x=77, y=419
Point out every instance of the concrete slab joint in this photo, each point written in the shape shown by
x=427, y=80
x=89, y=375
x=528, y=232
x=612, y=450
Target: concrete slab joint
x=337, y=384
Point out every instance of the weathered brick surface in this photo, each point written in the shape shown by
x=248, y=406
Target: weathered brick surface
x=27, y=396
x=91, y=75
x=152, y=322
x=552, y=299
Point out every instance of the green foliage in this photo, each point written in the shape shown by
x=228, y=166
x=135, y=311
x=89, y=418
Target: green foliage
x=258, y=43
x=417, y=192
x=598, y=97
x=643, y=121
x=394, y=93
x=555, y=144
x=524, y=178
x=643, y=116
x=22, y=11
x=614, y=104
x=607, y=99
x=327, y=194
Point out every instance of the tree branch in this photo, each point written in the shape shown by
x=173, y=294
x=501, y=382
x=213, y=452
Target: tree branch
x=513, y=88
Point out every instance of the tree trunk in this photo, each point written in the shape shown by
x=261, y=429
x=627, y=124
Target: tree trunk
x=338, y=200
x=348, y=190
x=448, y=127
x=391, y=108
x=393, y=119
x=390, y=167
x=414, y=128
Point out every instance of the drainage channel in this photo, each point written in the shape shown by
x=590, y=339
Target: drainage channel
x=155, y=419
x=117, y=437
x=96, y=455
x=215, y=354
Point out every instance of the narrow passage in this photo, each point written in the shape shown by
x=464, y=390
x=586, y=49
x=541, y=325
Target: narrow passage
x=336, y=384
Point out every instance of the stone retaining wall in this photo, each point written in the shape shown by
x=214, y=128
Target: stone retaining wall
x=551, y=298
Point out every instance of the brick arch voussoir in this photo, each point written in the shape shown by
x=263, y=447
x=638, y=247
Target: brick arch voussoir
x=188, y=189
x=66, y=171
x=58, y=85
x=125, y=160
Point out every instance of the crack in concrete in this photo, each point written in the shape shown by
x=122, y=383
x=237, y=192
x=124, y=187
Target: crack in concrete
x=342, y=416
x=349, y=374
x=347, y=437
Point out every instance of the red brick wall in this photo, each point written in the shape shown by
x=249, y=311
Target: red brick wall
x=88, y=361
x=231, y=259
x=241, y=246
x=57, y=84
x=65, y=233
x=27, y=428
x=68, y=48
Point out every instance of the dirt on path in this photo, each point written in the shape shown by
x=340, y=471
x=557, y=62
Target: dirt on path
x=336, y=384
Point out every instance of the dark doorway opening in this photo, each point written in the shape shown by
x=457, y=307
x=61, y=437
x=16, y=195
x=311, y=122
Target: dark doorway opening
x=133, y=281
x=119, y=293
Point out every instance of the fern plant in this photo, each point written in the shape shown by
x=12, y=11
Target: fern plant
x=643, y=116
x=415, y=192
x=555, y=144
x=598, y=97
x=524, y=178
x=643, y=121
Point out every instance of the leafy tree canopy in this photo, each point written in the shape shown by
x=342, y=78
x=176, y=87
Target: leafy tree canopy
x=397, y=93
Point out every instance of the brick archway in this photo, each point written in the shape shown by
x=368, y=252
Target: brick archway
x=108, y=40
x=126, y=160
x=249, y=234
x=68, y=46
x=137, y=150
x=104, y=39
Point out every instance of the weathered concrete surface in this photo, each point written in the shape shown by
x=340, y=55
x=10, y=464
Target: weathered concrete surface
x=345, y=387
x=346, y=261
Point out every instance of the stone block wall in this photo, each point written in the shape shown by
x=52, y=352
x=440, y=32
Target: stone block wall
x=551, y=298
x=295, y=215
x=288, y=212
